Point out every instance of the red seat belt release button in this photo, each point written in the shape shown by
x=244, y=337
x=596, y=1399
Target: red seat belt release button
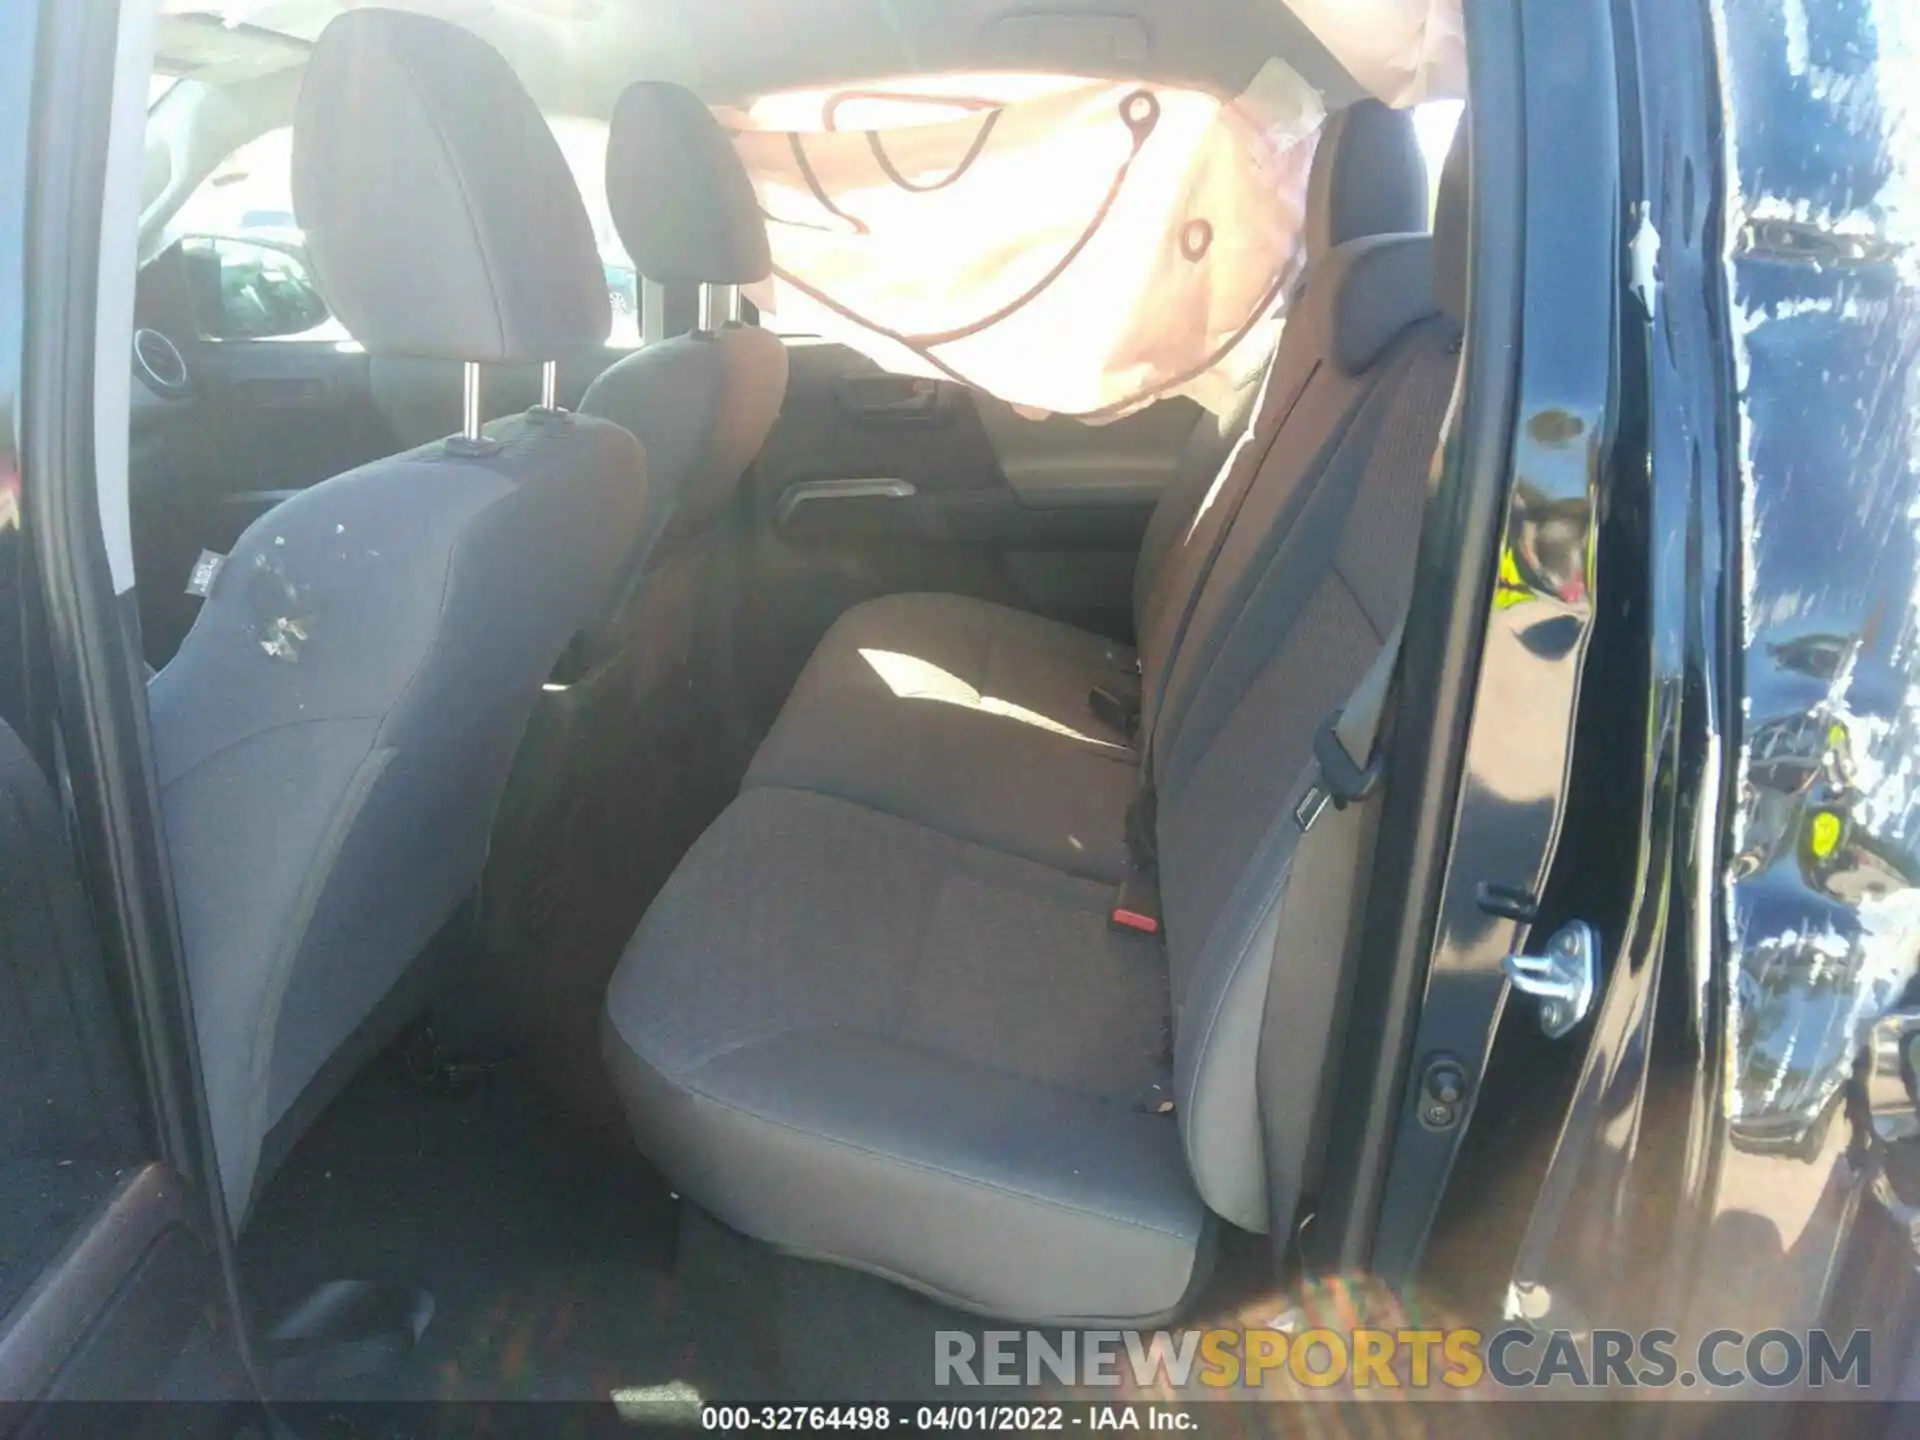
x=1137, y=907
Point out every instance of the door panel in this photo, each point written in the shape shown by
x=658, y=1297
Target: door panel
x=847, y=420
x=104, y=1267
x=108, y=1318
x=281, y=415
x=875, y=483
x=1060, y=462
x=69, y=1124
x=859, y=453
x=253, y=422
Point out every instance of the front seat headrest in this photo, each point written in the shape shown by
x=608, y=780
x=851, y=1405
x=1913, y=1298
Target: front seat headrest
x=440, y=216
x=1368, y=177
x=680, y=197
x=1450, y=227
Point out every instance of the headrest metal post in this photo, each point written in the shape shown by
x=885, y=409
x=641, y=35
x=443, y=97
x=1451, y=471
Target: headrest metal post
x=653, y=312
x=550, y=385
x=708, y=320
x=733, y=306
x=472, y=442
x=470, y=403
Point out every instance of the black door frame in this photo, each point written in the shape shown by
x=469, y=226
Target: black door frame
x=109, y=1305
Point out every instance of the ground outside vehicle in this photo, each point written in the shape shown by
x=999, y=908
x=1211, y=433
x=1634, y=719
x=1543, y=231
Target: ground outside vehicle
x=1689, y=1105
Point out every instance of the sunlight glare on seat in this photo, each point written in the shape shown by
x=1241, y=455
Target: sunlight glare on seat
x=912, y=678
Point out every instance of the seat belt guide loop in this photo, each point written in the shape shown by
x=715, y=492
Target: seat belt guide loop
x=1342, y=780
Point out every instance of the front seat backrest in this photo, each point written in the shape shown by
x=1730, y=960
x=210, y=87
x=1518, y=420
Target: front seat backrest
x=702, y=403
x=334, y=734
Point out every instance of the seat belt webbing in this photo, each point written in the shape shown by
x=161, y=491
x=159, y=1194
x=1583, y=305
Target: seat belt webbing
x=1314, y=932
x=1243, y=465
x=1235, y=483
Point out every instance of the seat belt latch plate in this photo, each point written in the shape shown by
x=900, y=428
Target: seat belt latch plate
x=1310, y=806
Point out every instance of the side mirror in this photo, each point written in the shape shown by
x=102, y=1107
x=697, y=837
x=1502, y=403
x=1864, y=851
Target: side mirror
x=251, y=289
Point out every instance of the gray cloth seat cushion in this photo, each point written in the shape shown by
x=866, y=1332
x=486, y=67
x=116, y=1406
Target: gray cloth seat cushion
x=969, y=717
x=847, y=1034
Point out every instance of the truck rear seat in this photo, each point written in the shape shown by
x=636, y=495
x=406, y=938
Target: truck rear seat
x=909, y=1043
x=974, y=717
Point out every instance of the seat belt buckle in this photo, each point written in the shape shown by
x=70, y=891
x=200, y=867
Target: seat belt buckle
x=1114, y=706
x=1342, y=781
x=1137, y=907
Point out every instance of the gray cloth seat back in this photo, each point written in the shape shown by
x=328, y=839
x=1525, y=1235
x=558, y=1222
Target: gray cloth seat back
x=701, y=403
x=1368, y=178
x=334, y=734
x=1290, y=619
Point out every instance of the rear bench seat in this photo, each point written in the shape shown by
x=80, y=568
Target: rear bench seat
x=974, y=716
x=892, y=1026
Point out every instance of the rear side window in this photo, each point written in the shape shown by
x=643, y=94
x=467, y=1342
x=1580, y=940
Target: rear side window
x=584, y=143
